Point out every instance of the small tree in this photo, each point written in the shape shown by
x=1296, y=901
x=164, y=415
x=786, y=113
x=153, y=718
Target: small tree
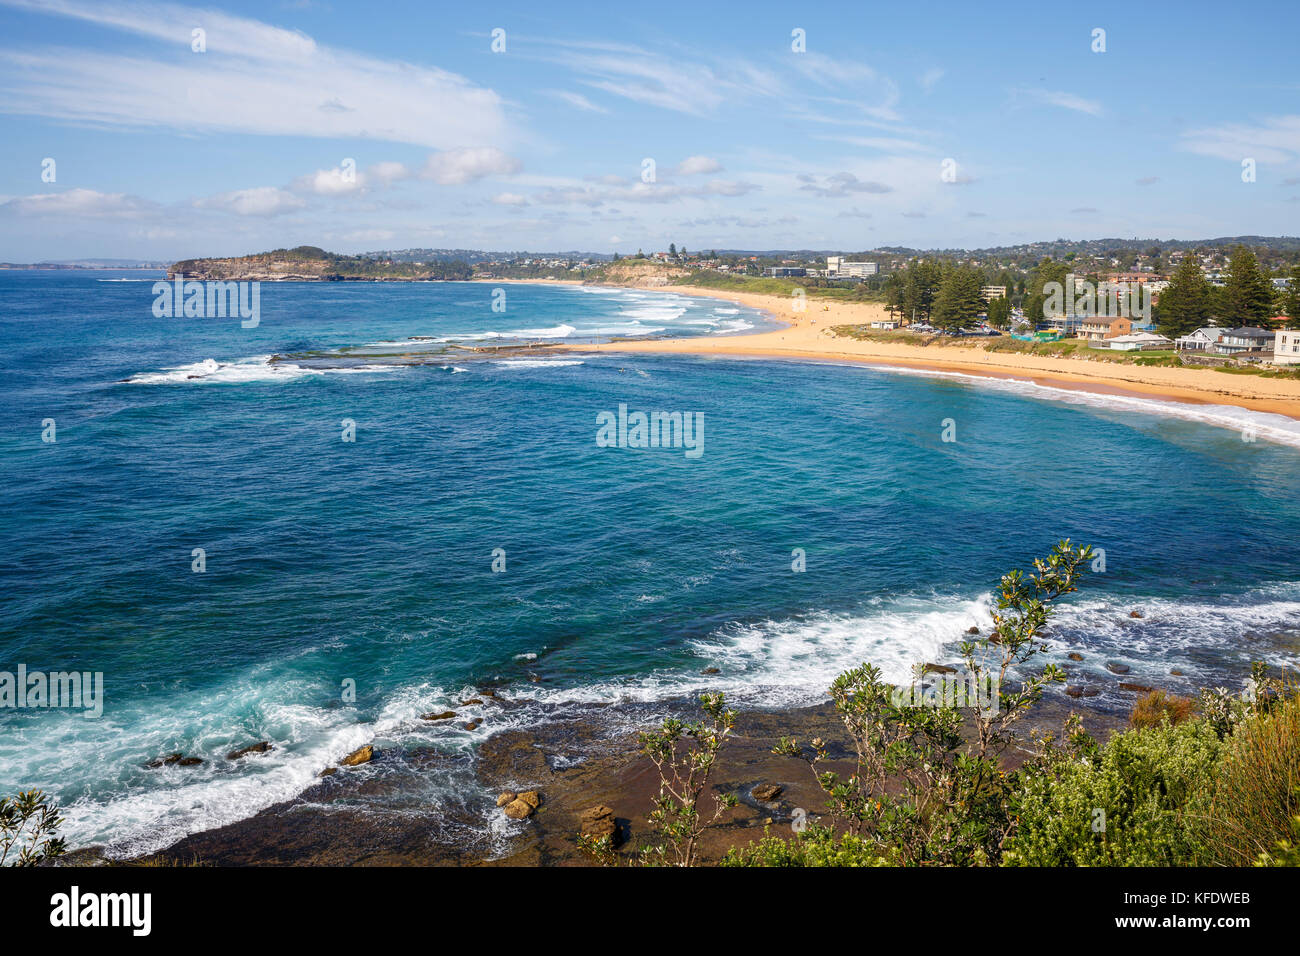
x=683, y=776
x=29, y=824
x=949, y=802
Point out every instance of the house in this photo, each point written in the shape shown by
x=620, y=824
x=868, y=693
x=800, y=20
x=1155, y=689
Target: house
x=886, y=324
x=1286, y=347
x=991, y=292
x=1198, y=341
x=1244, y=339
x=1103, y=327
x=1137, y=342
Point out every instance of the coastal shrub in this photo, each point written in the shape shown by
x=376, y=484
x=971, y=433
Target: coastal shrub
x=685, y=754
x=1156, y=707
x=1286, y=852
x=1257, y=788
x=1132, y=802
x=29, y=826
x=921, y=791
x=816, y=846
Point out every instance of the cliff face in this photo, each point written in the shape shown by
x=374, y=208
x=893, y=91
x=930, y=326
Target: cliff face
x=308, y=263
x=643, y=273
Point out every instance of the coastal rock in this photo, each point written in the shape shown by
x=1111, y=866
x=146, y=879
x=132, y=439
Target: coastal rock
x=471, y=702
x=972, y=629
x=328, y=772
x=1136, y=688
x=472, y=725
x=176, y=759
x=1117, y=668
x=767, y=792
x=1075, y=656
x=597, y=823
x=711, y=670
x=359, y=756
x=507, y=797
x=1080, y=690
x=261, y=747
x=531, y=797
x=1137, y=614
x=1176, y=673
x=938, y=669
x=444, y=715
x=518, y=810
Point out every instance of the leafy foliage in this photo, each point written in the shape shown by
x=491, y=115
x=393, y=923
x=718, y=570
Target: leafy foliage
x=29, y=826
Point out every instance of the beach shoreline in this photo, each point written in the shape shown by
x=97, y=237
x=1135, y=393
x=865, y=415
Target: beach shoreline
x=805, y=335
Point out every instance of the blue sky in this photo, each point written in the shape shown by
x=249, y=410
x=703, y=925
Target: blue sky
x=164, y=152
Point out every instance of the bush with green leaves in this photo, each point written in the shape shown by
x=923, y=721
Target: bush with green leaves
x=1137, y=801
x=29, y=826
x=685, y=754
x=816, y=846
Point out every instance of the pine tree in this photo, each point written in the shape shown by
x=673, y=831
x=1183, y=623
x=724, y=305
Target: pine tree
x=1187, y=303
x=960, y=299
x=1292, y=299
x=1247, y=293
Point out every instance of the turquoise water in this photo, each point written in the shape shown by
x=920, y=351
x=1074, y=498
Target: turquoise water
x=627, y=571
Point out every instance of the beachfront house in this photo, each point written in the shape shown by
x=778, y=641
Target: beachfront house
x=1096, y=328
x=1286, y=347
x=1136, y=342
x=1199, y=341
x=1244, y=339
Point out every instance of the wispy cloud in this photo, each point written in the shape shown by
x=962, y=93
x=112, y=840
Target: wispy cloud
x=1274, y=140
x=1068, y=101
x=254, y=78
x=576, y=100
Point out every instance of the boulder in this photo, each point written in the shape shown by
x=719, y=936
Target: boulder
x=507, y=797
x=1136, y=614
x=443, y=715
x=972, y=629
x=359, y=756
x=1176, y=672
x=1081, y=690
x=472, y=725
x=710, y=670
x=1136, y=688
x=518, y=810
x=767, y=792
x=177, y=759
x=329, y=771
x=938, y=669
x=1075, y=656
x=597, y=823
x=261, y=747
x=1115, y=668
x=531, y=797
x=471, y=702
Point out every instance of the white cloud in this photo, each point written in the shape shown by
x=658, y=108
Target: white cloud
x=77, y=202
x=258, y=201
x=697, y=165
x=510, y=199
x=455, y=167
x=1064, y=100
x=254, y=78
x=577, y=100
x=930, y=78
x=1275, y=140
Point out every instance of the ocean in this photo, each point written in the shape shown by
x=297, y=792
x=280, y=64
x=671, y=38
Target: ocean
x=202, y=532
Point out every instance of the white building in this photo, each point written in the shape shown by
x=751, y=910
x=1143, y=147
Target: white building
x=1138, y=342
x=1286, y=347
x=838, y=266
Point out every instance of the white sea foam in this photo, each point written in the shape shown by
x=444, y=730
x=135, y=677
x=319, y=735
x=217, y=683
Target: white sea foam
x=257, y=369
x=537, y=363
x=1264, y=425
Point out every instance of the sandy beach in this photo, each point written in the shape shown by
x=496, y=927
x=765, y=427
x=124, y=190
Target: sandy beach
x=807, y=335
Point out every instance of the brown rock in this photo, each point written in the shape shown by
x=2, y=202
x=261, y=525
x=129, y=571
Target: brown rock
x=444, y=715
x=471, y=702
x=1136, y=688
x=1079, y=690
x=472, y=725
x=1115, y=668
x=972, y=630
x=1137, y=614
x=260, y=747
x=190, y=761
x=1176, y=672
x=597, y=823
x=329, y=771
x=1075, y=656
x=505, y=798
x=710, y=670
x=531, y=797
x=178, y=759
x=767, y=792
x=518, y=810
x=938, y=669
x=359, y=756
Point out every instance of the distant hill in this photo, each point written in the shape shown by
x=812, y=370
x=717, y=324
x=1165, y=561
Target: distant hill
x=310, y=263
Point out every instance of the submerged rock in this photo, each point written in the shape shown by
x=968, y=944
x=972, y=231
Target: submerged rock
x=445, y=715
x=1116, y=668
x=176, y=759
x=1137, y=688
x=1075, y=656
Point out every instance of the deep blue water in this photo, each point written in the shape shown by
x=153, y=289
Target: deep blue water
x=627, y=571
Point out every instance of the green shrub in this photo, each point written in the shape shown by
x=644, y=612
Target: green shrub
x=1132, y=802
x=817, y=846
